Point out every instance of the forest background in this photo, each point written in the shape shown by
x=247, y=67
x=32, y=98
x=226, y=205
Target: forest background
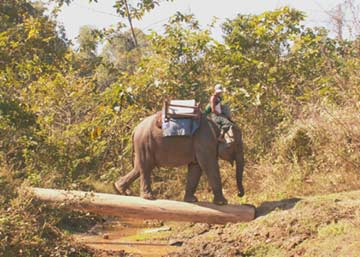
x=66, y=116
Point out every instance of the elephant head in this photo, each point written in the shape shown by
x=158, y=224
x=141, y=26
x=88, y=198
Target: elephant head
x=232, y=151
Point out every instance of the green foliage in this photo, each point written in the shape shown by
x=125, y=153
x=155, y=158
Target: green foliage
x=273, y=65
x=177, y=66
x=121, y=51
x=67, y=116
x=136, y=10
x=29, y=45
x=86, y=60
x=119, y=56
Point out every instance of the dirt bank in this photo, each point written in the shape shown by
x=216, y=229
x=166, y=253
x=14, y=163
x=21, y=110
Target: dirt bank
x=327, y=225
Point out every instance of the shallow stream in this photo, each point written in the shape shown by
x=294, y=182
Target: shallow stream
x=131, y=236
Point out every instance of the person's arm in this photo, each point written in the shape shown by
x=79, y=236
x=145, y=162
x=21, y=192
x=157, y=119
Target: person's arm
x=212, y=105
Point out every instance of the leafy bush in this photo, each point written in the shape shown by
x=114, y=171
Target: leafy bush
x=28, y=228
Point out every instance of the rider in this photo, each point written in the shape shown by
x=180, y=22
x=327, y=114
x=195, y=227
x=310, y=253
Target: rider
x=216, y=112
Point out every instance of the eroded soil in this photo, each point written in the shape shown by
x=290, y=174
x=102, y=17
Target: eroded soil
x=327, y=225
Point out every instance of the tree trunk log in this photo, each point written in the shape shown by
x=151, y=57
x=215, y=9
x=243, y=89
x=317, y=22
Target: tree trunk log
x=139, y=208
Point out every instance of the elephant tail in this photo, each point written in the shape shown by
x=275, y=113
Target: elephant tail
x=132, y=150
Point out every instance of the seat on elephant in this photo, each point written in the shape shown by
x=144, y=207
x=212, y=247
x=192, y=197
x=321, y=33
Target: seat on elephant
x=181, y=109
x=180, y=118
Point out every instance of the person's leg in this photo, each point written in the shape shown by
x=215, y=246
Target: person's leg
x=218, y=121
x=223, y=123
x=226, y=124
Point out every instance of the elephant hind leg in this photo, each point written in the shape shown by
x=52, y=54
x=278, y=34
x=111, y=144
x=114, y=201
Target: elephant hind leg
x=123, y=183
x=145, y=183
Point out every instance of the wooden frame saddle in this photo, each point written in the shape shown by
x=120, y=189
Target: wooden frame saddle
x=180, y=109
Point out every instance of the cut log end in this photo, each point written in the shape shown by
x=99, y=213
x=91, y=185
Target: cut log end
x=139, y=208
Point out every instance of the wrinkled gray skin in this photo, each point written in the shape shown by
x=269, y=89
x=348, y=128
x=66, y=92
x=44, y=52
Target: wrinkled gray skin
x=199, y=152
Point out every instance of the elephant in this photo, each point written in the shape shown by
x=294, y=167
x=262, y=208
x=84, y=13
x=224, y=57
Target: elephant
x=200, y=152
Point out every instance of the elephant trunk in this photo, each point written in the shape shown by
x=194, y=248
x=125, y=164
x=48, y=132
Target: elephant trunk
x=239, y=173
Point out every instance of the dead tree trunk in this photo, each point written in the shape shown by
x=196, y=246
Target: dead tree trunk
x=139, y=208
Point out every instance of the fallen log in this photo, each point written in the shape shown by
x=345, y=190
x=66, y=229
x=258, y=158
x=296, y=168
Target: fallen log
x=139, y=208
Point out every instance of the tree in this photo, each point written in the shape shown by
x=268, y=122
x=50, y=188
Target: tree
x=29, y=48
x=272, y=64
x=29, y=45
x=121, y=51
x=128, y=11
x=119, y=55
x=87, y=59
x=175, y=66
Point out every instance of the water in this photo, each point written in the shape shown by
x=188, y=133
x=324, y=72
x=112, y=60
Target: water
x=124, y=235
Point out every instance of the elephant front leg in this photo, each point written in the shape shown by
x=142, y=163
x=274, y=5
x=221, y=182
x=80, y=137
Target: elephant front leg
x=211, y=168
x=192, y=181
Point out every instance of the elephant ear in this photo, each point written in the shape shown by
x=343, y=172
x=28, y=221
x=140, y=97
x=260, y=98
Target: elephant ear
x=228, y=152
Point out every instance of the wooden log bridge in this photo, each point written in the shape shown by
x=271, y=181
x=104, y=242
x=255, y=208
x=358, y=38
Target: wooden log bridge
x=139, y=208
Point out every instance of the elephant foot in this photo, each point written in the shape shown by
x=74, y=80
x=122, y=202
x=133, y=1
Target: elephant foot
x=241, y=194
x=190, y=199
x=148, y=196
x=119, y=189
x=220, y=201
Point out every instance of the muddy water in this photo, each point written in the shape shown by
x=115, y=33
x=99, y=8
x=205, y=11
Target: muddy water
x=122, y=236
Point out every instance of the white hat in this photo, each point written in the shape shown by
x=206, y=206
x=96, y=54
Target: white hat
x=218, y=88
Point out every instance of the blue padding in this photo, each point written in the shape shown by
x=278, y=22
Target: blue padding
x=179, y=127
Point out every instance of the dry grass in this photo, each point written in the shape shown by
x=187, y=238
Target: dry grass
x=319, y=154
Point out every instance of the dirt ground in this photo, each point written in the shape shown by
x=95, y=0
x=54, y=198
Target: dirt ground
x=326, y=225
